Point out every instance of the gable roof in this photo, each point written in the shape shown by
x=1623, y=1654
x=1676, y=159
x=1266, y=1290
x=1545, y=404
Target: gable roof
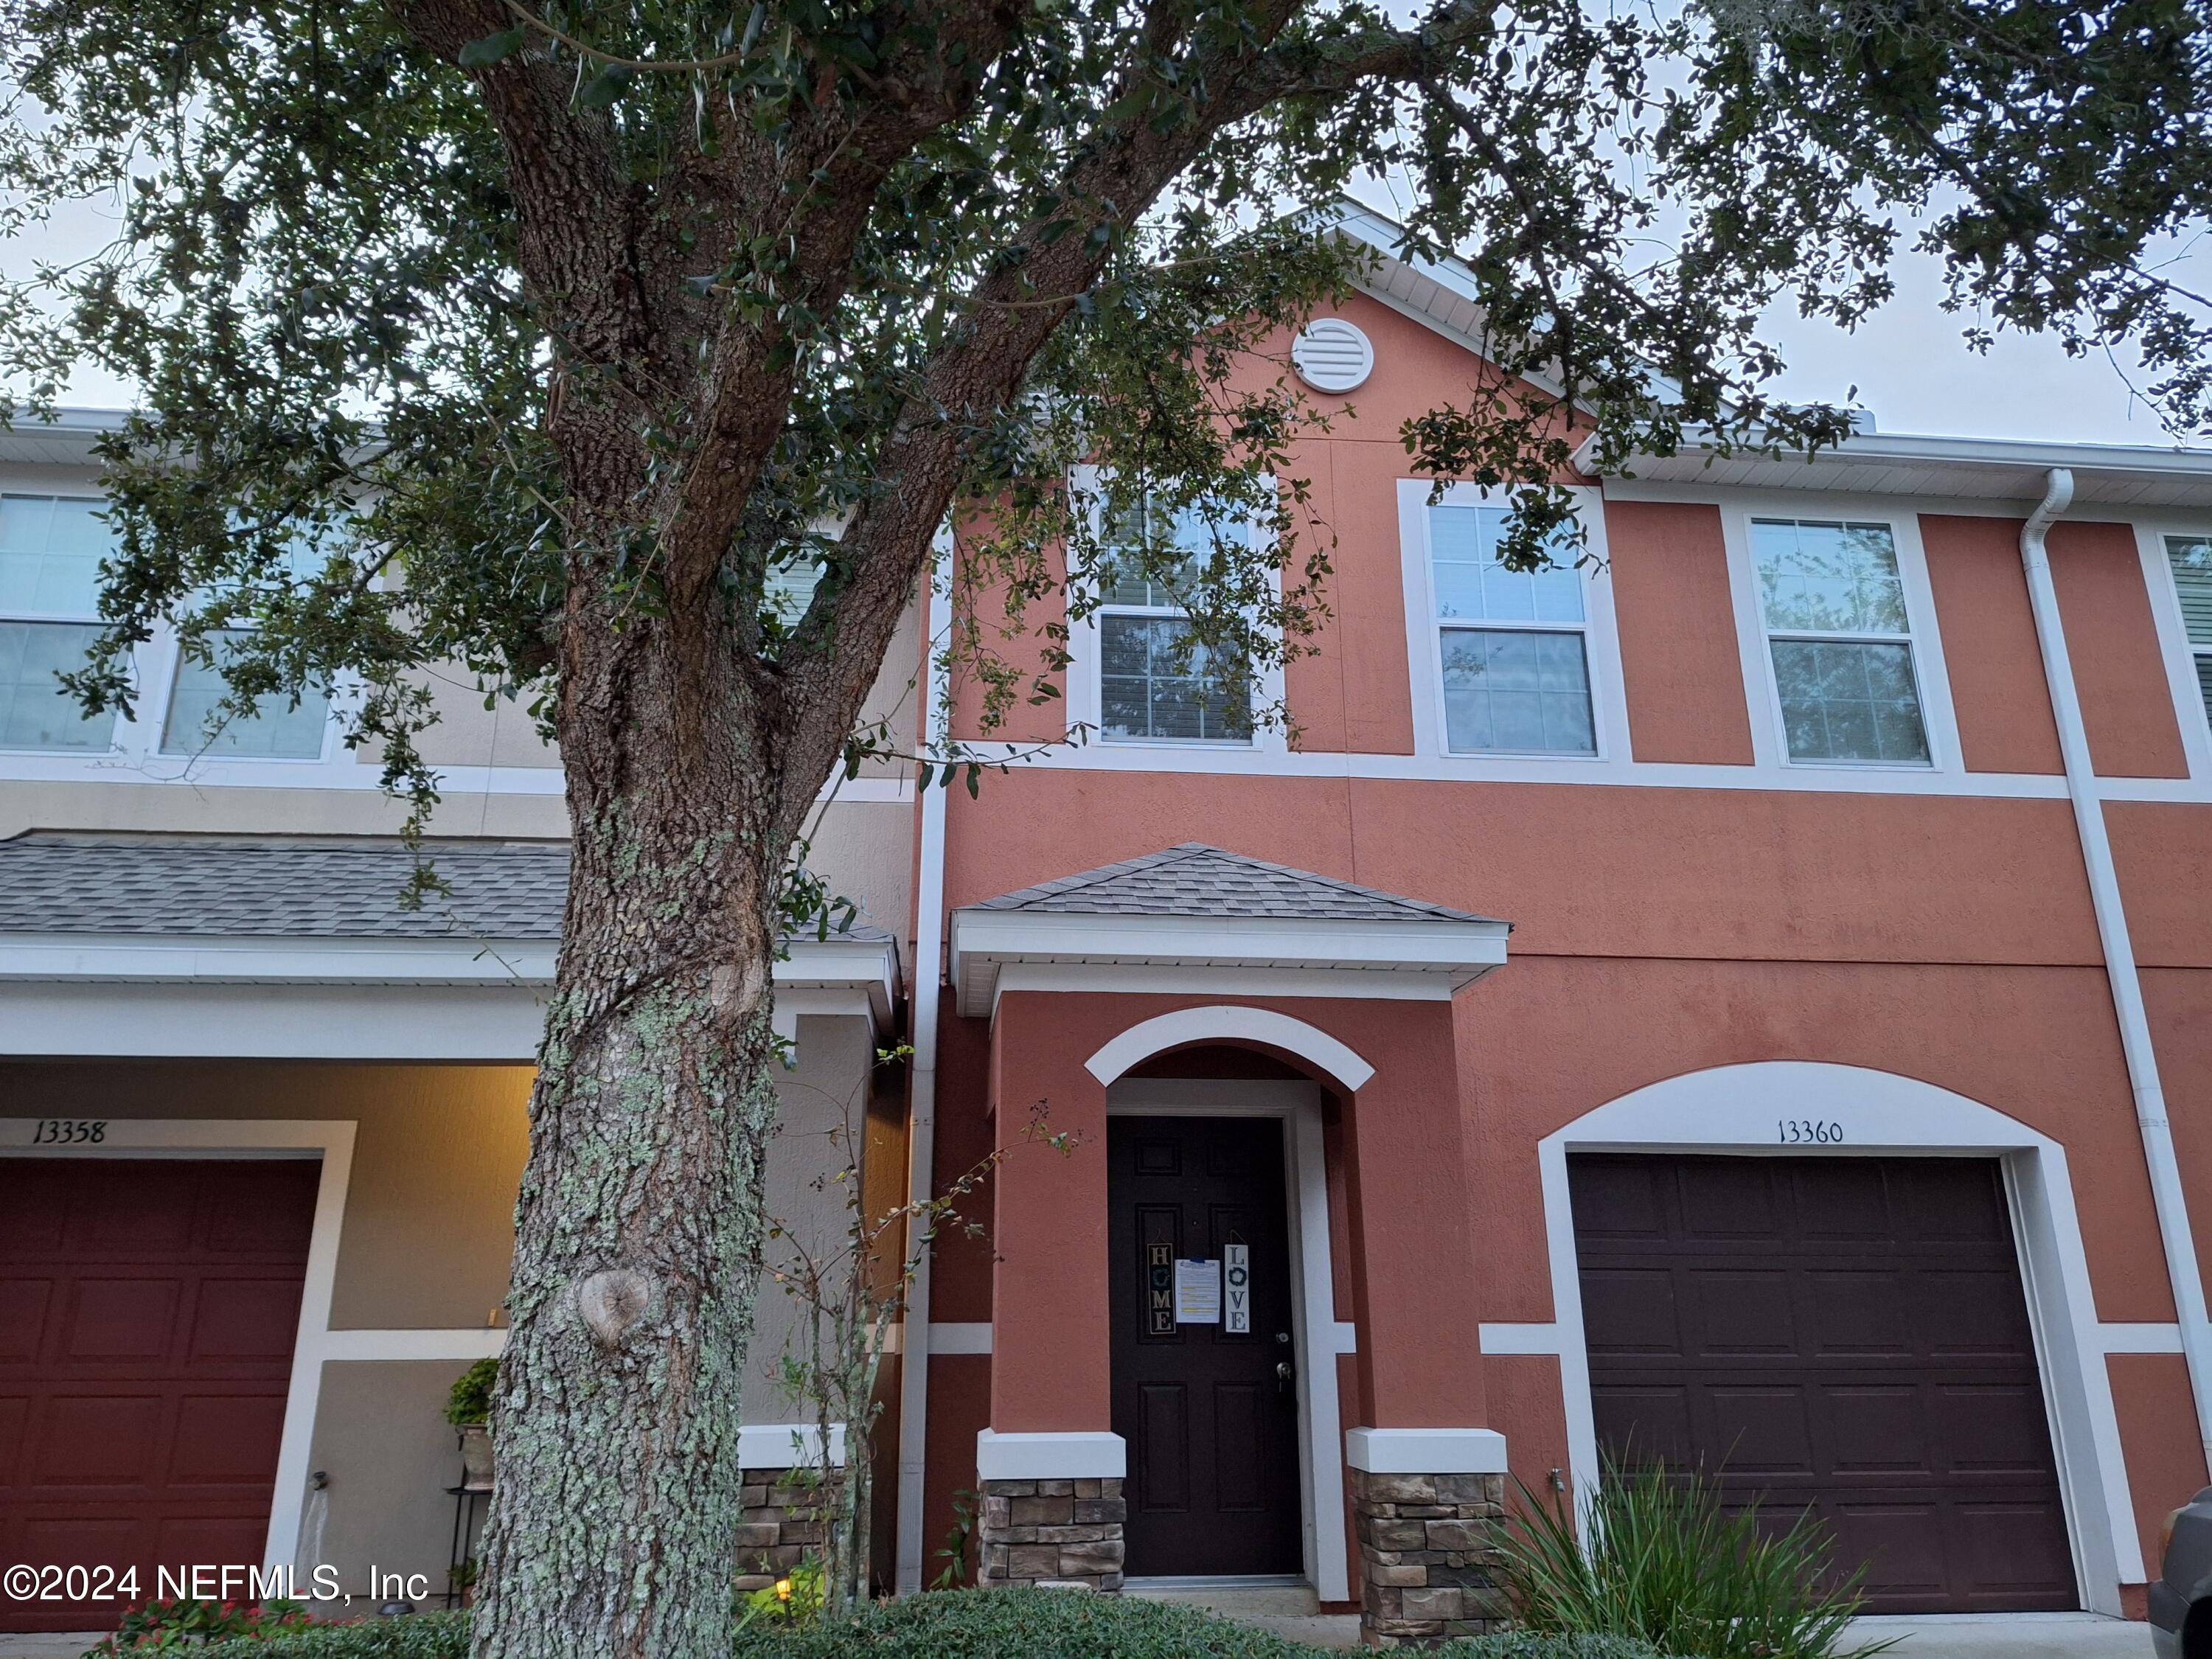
x=1194, y=879
x=1195, y=917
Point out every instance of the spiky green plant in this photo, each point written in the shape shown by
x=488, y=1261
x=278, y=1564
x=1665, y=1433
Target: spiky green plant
x=1658, y=1558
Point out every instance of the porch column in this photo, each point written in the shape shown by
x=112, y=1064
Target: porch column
x=1427, y=1475
x=1050, y=1467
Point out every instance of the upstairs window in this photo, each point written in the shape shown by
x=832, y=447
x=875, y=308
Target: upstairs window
x=51, y=547
x=2192, y=559
x=1156, y=684
x=278, y=729
x=1840, y=640
x=1515, y=664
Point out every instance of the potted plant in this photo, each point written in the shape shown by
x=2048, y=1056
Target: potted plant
x=468, y=1408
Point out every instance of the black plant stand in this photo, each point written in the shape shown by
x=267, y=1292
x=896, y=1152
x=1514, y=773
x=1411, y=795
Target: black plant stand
x=468, y=1512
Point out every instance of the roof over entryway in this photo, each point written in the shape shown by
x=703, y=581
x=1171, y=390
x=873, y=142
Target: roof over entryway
x=1197, y=917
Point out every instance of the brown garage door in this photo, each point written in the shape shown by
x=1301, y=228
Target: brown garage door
x=148, y=1311
x=1843, y=1335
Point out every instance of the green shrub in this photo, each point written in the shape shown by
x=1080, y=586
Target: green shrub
x=1665, y=1565
x=1014, y=1624
x=411, y=1636
x=470, y=1399
x=181, y=1621
x=942, y=1624
x=1532, y=1644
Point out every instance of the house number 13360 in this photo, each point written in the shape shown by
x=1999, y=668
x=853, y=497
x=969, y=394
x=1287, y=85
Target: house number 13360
x=1795, y=1131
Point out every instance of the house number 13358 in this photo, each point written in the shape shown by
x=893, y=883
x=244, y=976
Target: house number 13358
x=70, y=1132
x=1795, y=1131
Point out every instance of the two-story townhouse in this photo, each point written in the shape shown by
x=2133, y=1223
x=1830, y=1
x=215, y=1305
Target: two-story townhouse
x=1747, y=1000
x=261, y=1127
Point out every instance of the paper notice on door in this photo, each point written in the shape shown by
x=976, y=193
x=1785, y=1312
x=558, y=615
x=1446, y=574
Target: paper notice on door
x=1236, y=1309
x=1198, y=1291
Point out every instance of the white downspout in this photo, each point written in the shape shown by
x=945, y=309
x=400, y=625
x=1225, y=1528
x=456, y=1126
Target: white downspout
x=2172, y=1206
x=921, y=1115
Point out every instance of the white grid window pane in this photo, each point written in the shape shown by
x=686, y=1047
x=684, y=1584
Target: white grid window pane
x=1522, y=691
x=1148, y=690
x=51, y=547
x=35, y=712
x=1472, y=585
x=1828, y=577
x=2192, y=559
x=1850, y=700
x=1189, y=529
x=276, y=729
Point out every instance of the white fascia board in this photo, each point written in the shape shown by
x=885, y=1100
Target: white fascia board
x=1971, y=467
x=871, y=965
x=66, y=440
x=121, y=958
x=984, y=940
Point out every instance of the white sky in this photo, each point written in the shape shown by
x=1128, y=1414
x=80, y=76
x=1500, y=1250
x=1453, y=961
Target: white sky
x=1910, y=367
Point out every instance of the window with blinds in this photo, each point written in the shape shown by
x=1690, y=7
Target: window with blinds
x=2192, y=559
x=51, y=547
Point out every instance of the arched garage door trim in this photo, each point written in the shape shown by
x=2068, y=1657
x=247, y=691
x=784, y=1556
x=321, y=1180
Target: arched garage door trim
x=1735, y=1108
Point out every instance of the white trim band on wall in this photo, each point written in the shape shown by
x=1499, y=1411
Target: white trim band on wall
x=788, y=1446
x=1073, y=1454
x=1425, y=1451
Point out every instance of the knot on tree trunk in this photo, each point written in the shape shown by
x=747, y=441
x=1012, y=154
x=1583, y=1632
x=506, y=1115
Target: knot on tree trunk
x=616, y=1301
x=735, y=988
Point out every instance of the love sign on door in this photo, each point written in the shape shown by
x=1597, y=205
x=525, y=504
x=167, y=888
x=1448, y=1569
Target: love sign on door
x=1237, y=1289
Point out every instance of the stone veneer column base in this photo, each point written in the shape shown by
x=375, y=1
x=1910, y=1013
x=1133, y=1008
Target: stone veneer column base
x=1427, y=1555
x=782, y=1524
x=1060, y=1534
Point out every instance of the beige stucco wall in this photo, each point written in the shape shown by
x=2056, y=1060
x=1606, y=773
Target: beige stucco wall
x=380, y=1437
x=438, y=1153
x=426, y=1238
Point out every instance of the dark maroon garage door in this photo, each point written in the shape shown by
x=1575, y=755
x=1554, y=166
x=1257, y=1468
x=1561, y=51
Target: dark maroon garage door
x=148, y=1313
x=1843, y=1335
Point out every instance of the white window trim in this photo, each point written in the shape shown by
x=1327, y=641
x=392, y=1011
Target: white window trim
x=116, y=739
x=1425, y=655
x=1085, y=695
x=1931, y=676
x=169, y=652
x=2190, y=714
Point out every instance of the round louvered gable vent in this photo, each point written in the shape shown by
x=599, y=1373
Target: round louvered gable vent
x=1332, y=356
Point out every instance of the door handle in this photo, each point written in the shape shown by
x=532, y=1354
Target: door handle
x=1283, y=1375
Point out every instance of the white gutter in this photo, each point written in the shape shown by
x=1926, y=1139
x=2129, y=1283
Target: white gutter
x=2172, y=1207
x=921, y=1107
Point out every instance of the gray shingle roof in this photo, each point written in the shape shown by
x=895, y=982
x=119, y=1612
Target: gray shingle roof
x=1194, y=879
x=275, y=888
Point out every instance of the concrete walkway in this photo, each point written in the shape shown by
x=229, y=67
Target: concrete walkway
x=47, y=1647
x=1292, y=1611
x=2009, y=1635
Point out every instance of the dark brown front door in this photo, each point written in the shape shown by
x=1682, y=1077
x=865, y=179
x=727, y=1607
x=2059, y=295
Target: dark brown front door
x=148, y=1313
x=1210, y=1413
x=1842, y=1334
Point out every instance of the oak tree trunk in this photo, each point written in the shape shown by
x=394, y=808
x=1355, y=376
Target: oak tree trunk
x=638, y=1231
